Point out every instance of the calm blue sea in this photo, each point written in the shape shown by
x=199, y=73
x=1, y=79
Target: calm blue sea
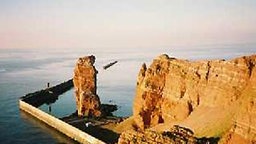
x=26, y=70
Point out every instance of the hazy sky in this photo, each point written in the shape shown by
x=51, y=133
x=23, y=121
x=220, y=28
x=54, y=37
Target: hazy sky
x=125, y=24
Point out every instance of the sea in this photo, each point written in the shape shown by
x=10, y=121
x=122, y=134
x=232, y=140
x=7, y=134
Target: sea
x=27, y=70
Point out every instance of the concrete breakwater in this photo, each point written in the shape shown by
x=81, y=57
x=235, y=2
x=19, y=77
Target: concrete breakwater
x=30, y=102
x=48, y=95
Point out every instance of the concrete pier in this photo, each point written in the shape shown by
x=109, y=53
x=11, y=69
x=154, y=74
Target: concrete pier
x=63, y=127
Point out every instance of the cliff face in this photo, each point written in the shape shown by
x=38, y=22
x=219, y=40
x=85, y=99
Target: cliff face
x=88, y=102
x=244, y=127
x=176, y=91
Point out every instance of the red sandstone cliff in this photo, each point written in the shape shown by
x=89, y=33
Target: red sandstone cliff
x=85, y=78
x=214, y=98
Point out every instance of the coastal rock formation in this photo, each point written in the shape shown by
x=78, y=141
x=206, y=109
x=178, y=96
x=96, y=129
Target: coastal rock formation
x=210, y=97
x=85, y=84
x=147, y=136
x=176, y=135
x=244, y=128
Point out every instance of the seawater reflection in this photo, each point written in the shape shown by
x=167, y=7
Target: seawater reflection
x=64, y=106
x=60, y=138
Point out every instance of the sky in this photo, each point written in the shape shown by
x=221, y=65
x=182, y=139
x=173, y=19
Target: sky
x=125, y=23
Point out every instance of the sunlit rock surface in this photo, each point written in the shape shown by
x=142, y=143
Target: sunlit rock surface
x=213, y=98
x=85, y=84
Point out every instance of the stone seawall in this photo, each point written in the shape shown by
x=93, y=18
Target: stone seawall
x=29, y=102
x=47, y=95
x=59, y=125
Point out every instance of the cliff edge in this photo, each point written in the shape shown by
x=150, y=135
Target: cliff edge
x=213, y=98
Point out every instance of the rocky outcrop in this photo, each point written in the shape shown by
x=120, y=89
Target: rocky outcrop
x=243, y=129
x=147, y=137
x=85, y=84
x=176, y=135
x=172, y=90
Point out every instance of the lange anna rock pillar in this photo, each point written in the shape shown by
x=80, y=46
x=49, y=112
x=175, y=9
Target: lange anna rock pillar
x=85, y=84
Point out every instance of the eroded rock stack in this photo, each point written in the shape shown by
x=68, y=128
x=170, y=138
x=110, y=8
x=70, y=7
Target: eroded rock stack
x=189, y=93
x=85, y=84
